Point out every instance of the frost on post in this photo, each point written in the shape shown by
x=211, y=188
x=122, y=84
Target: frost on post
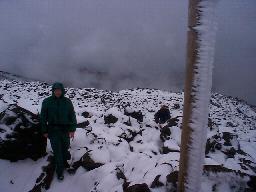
x=203, y=43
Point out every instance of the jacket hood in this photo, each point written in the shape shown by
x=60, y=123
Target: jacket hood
x=58, y=85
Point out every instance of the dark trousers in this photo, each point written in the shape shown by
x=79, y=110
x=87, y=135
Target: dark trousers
x=60, y=143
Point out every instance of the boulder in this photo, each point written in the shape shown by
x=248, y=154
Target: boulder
x=86, y=114
x=20, y=136
x=43, y=182
x=134, y=114
x=172, y=180
x=86, y=162
x=156, y=183
x=110, y=119
x=138, y=188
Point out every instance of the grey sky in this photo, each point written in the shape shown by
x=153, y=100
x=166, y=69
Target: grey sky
x=118, y=44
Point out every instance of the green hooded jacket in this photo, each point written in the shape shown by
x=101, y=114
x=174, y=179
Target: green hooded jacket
x=57, y=113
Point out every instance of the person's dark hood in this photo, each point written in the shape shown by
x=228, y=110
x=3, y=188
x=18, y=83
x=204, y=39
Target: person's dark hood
x=58, y=85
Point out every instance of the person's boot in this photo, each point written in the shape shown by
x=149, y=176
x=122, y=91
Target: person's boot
x=60, y=177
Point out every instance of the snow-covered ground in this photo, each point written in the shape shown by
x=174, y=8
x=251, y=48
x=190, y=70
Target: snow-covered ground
x=131, y=147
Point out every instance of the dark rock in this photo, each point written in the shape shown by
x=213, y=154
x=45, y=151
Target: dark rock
x=45, y=179
x=86, y=114
x=86, y=162
x=247, y=164
x=131, y=135
x=212, y=144
x=173, y=122
x=165, y=133
x=230, y=124
x=166, y=150
x=25, y=139
x=109, y=119
x=135, y=114
x=172, y=180
x=156, y=183
x=221, y=169
x=211, y=124
x=252, y=183
x=225, y=172
x=120, y=175
x=214, y=103
x=176, y=106
x=83, y=124
x=230, y=152
x=128, y=123
x=227, y=137
x=138, y=188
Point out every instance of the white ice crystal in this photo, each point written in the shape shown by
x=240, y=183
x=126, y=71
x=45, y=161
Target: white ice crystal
x=201, y=92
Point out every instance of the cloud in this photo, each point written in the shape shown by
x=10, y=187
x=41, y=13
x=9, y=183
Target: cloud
x=235, y=59
x=120, y=44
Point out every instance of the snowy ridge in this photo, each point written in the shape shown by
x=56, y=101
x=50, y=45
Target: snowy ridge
x=133, y=148
x=10, y=76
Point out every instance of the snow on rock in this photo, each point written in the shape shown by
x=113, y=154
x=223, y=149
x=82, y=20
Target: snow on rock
x=128, y=155
x=20, y=136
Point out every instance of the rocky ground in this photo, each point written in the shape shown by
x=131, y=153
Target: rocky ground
x=118, y=146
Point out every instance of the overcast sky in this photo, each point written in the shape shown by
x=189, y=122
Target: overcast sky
x=119, y=44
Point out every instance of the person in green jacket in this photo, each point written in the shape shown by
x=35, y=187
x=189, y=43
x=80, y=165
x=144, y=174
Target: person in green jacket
x=58, y=123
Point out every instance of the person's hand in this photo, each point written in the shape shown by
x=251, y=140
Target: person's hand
x=45, y=135
x=71, y=134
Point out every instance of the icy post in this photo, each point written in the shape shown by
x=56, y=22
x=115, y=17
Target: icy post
x=200, y=58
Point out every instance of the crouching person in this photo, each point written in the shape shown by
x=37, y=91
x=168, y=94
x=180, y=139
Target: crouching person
x=58, y=122
x=162, y=117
